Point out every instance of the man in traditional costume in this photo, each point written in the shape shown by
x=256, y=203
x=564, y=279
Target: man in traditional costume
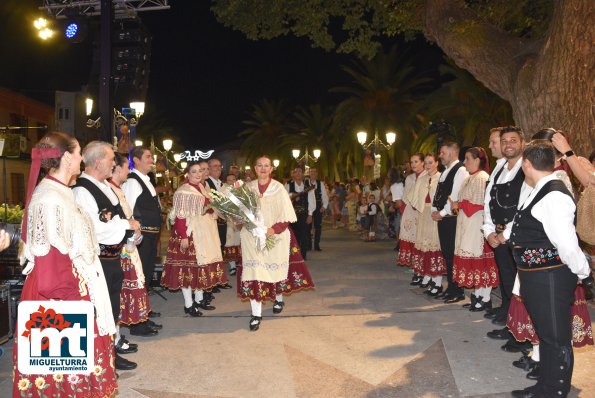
x=304, y=205
x=321, y=198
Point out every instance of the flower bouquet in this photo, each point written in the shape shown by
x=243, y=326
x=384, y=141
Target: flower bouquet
x=240, y=204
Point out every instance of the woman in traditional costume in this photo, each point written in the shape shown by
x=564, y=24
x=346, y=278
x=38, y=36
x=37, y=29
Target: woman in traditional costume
x=474, y=264
x=427, y=259
x=268, y=274
x=63, y=264
x=134, y=301
x=194, y=261
x=409, y=218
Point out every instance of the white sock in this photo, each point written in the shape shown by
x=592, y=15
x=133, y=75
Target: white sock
x=279, y=297
x=187, y=293
x=437, y=281
x=118, y=337
x=198, y=296
x=487, y=292
x=535, y=354
x=425, y=280
x=232, y=265
x=256, y=308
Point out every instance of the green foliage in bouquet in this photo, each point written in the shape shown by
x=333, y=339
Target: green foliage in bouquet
x=11, y=214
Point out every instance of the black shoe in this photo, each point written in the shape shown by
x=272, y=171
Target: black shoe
x=454, y=299
x=278, y=307
x=226, y=286
x=481, y=306
x=143, y=330
x=529, y=392
x=154, y=325
x=426, y=285
x=216, y=290
x=499, y=334
x=233, y=271
x=192, y=311
x=491, y=314
x=525, y=363
x=416, y=280
x=123, y=363
x=435, y=291
x=203, y=306
x=534, y=373
x=499, y=321
x=472, y=303
x=431, y=285
x=511, y=346
x=255, y=323
x=125, y=341
x=128, y=350
x=154, y=314
x=208, y=296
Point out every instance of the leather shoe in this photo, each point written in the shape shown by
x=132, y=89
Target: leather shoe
x=454, y=299
x=226, y=286
x=534, y=373
x=216, y=290
x=498, y=321
x=442, y=296
x=499, y=334
x=530, y=392
x=490, y=315
x=255, y=323
x=125, y=341
x=203, y=306
x=143, y=330
x=278, y=307
x=513, y=346
x=525, y=363
x=154, y=314
x=192, y=311
x=154, y=325
x=124, y=364
x=128, y=350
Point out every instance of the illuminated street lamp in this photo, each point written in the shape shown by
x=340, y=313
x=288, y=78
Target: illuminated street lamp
x=307, y=157
x=88, y=106
x=276, y=163
x=184, y=165
x=138, y=108
x=362, y=136
x=138, y=143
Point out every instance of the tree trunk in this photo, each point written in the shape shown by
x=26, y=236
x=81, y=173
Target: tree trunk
x=549, y=83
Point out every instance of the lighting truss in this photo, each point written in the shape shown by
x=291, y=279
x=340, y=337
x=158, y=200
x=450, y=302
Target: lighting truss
x=127, y=8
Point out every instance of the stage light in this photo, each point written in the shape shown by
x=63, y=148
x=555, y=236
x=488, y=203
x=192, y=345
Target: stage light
x=71, y=30
x=75, y=30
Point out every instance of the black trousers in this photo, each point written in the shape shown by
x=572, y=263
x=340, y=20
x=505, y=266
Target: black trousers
x=114, y=276
x=301, y=230
x=317, y=226
x=548, y=296
x=222, y=229
x=507, y=271
x=447, y=229
x=147, y=251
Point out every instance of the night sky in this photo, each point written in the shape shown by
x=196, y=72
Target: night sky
x=204, y=77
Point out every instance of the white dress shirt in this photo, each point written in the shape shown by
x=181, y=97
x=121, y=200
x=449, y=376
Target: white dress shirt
x=216, y=182
x=507, y=175
x=456, y=186
x=311, y=197
x=323, y=193
x=556, y=212
x=396, y=191
x=132, y=188
x=108, y=233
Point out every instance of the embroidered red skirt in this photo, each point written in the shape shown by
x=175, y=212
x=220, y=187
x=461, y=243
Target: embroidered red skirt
x=134, y=302
x=232, y=253
x=521, y=326
x=476, y=272
x=406, y=250
x=298, y=279
x=181, y=270
x=100, y=383
x=428, y=263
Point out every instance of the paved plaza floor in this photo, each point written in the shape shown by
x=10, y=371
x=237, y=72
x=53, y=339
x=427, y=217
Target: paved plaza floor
x=363, y=332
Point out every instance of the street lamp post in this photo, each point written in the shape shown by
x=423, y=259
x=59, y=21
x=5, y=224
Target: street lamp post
x=362, y=136
x=306, y=157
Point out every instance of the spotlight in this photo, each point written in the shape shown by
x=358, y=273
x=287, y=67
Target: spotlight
x=75, y=30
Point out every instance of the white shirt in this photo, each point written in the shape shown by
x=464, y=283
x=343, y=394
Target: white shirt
x=556, y=212
x=132, y=188
x=506, y=176
x=456, y=186
x=108, y=233
x=322, y=193
x=396, y=190
x=216, y=182
x=311, y=197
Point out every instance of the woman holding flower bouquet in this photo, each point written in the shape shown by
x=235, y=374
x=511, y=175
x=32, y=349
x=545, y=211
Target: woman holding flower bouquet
x=267, y=274
x=193, y=261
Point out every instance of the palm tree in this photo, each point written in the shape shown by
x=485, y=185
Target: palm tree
x=383, y=95
x=269, y=120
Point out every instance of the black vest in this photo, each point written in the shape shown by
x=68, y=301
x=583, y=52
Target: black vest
x=531, y=246
x=317, y=192
x=300, y=203
x=211, y=184
x=444, y=188
x=147, y=210
x=504, y=198
x=107, y=252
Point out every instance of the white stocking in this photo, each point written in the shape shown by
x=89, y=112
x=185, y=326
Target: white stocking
x=256, y=308
x=535, y=354
x=425, y=280
x=198, y=296
x=187, y=293
x=487, y=292
x=232, y=265
x=437, y=280
x=279, y=297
